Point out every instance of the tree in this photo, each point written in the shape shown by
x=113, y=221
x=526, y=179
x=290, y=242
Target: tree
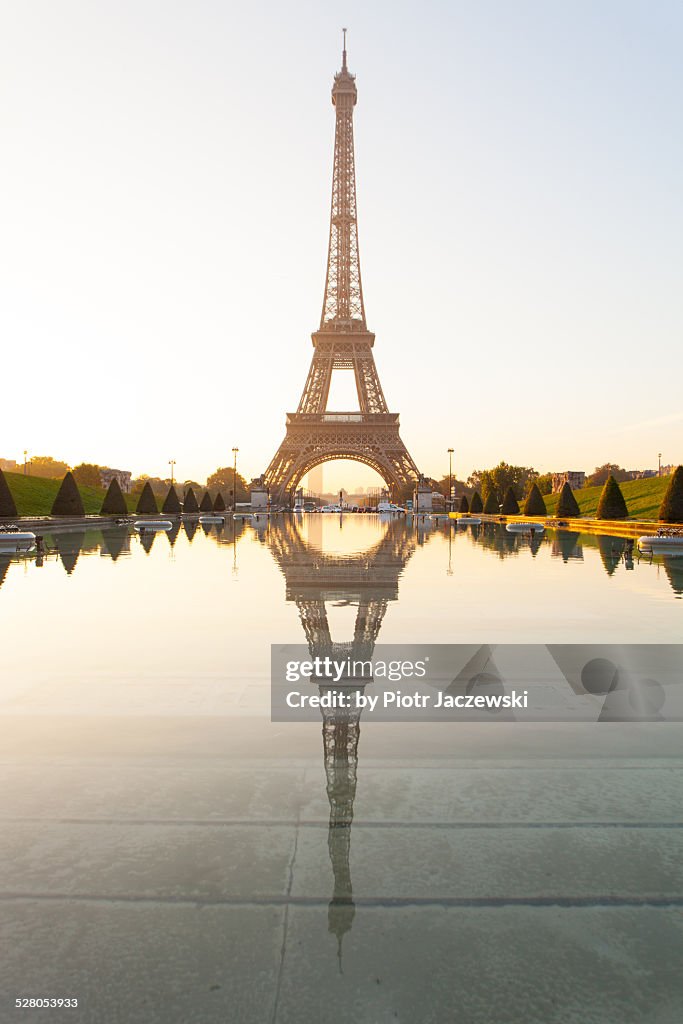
x=612, y=504
x=464, y=504
x=7, y=505
x=219, y=503
x=476, y=504
x=68, y=501
x=147, y=503
x=534, y=504
x=171, y=505
x=190, y=505
x=601, y=474
x=206, y=505
x=567, y=505
x=491, y=504
x=501, y=477
x=671, y=509
x=114, y=503
x=87, y=475
x=46, y=466
x=223, y=479
x=510, y=503
x=545, y=483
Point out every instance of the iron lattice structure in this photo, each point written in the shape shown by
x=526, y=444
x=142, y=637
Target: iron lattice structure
x=343, y=342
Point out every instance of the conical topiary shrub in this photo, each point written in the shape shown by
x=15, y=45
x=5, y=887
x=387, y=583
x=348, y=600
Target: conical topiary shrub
x=510, y=503
x=476, y=504
x=7, y=505
x=114, y=503
x=612, y=504
x=219, y=503
x=206, y=505
x=464, y=504
x=68, y=501
x=671, y=509
x=171, y=505
x=534, y=504
x=491, y=506
x=567, y=505
x=147, y=503
x=190, y=504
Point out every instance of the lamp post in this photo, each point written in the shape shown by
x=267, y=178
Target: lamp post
x=449, y=503
x=171, y=463
x=659, y=471
x=234, y=479
x=25, y=462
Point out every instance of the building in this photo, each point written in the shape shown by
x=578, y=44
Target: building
x=8, y=465
x=122, y=475
x=574, y=477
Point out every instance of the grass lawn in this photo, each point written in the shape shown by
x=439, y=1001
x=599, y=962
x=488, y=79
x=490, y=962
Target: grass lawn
x=643, y=498
x=34, y=495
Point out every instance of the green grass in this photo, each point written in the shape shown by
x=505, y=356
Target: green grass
x=643, y=498
x=34, y=495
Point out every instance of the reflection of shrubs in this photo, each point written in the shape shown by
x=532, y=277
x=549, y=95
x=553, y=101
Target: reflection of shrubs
x=206, y=504
x=510, y=503
x=171, y=505
x=671, y=509
x=476, y=503
x=567, y=505
x=147, y=503
x=464, y=504
x=68, y=501
x=534, y=504
x=7, y=505
x=114, y=503
x=612, y=504
x=219, y=503
x=190, y=504
x=491, y=505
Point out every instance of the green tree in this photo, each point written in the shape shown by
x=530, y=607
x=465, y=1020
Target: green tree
x=46, y=466
x=544, y=483
x=601, y=474
x=219, y=503
x=567, y=505
x=68, y=501
x=171, y=505
x=190, y=505
x=223, y=480
x=491, y=504
x=147, y=503
x=7, y=505
x=476, y=504
x=612, y=504
x=534, y=504
x=464, y=504
x=501, y=477
x=671, y=509
x=87, y=475
x=114, y=503
x=206, y=505
x=510, y=503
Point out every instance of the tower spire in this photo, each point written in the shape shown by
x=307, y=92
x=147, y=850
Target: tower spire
x=344, y=68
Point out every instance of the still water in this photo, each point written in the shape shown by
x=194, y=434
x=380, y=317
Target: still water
x=169, y=854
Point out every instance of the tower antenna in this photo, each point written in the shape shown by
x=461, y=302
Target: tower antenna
x=344, y=51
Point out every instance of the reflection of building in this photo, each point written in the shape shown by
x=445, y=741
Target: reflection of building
x=122, y=475
x=575, y=478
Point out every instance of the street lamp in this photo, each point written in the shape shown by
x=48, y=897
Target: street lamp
x=659, y=471
x=234, y=479
x=450, y=478
x=25, y=463
x=171, y=463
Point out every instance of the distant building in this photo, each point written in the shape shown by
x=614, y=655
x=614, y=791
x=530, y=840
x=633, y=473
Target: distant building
x=576, y=479
x=122, y=475
x=8, y=465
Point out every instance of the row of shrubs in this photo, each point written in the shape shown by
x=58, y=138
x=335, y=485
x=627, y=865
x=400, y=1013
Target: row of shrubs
x=68, y=501
x=612, y=504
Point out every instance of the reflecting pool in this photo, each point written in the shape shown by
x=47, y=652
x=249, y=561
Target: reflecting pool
x=170, y=855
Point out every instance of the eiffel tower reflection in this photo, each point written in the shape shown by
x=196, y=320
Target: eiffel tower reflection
x=368, y=580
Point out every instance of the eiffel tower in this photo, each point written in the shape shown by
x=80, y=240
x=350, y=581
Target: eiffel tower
x=343, y=342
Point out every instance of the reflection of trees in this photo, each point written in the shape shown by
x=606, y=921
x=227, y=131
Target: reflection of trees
x=370, y=581
x=116, y=542
x=611, y=549
x=173, y=532
x=190, y=527
x=147, y=538
x=673, y=567
x=4, y=566
x=69, y=546
x=566, y=545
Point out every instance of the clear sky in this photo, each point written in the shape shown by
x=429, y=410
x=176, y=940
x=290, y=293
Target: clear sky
x=164, y=196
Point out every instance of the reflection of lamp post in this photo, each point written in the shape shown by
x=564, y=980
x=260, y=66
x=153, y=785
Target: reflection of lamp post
x=171, y=463
x=234, y=479
x=450, y=478
x=659, y=471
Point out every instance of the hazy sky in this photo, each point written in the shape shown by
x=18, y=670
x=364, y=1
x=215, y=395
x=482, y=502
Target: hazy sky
x=164, y=203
